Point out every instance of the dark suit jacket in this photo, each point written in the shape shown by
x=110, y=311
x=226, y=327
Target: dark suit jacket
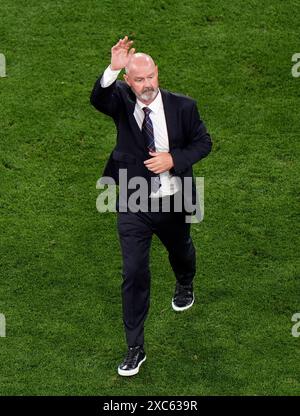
x=189, y=140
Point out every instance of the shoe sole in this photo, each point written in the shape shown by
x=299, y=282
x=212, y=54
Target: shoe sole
x=183, y=308
x=128, y=373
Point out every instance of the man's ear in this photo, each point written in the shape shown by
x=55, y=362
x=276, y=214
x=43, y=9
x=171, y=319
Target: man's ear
x=125, y=76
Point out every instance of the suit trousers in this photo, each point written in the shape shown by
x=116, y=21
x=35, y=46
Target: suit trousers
x=135, y=234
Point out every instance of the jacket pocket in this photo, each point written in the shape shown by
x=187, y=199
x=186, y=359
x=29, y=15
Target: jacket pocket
x=123, y=157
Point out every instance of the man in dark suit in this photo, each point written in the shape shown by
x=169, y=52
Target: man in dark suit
x=159, y=137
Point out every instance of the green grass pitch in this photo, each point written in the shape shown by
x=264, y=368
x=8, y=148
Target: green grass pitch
x=60, y=261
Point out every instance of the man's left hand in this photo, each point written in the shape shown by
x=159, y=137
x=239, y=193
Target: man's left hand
x=160, y=162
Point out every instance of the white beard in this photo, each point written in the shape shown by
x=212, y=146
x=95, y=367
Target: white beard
x=148, y=95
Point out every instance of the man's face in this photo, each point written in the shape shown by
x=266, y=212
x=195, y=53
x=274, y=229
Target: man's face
x=143, y=80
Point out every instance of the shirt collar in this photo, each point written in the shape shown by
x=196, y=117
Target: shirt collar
x=154, y=106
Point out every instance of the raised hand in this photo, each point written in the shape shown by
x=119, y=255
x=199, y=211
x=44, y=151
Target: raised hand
x=121, y=53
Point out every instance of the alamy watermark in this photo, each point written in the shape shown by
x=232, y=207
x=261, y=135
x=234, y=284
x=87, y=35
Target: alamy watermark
x=134, y=196
x=2, y=66
x=296, y=327
x=2, y=325
x=296, y=67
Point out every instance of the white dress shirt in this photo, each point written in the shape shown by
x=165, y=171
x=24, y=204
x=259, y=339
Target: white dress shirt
x=169, y=183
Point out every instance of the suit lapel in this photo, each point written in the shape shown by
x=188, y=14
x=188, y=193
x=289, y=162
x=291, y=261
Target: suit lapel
x=170, y=117
x=131, y=100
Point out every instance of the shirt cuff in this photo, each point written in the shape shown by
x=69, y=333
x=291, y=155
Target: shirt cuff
x=109, y=76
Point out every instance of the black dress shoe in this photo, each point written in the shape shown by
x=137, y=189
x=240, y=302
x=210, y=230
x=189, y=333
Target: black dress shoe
x=183, y=298
x=133, y=360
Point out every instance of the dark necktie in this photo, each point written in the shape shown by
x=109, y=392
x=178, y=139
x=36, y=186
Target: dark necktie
x=147, y=130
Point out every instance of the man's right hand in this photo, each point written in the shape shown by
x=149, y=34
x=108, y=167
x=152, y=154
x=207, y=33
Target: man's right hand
x=121, y=54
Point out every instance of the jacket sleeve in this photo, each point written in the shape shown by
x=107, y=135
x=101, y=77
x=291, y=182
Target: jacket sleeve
x=198, y=141
x=107, y=99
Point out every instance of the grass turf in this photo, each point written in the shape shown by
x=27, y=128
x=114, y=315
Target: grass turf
x=60, y=260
